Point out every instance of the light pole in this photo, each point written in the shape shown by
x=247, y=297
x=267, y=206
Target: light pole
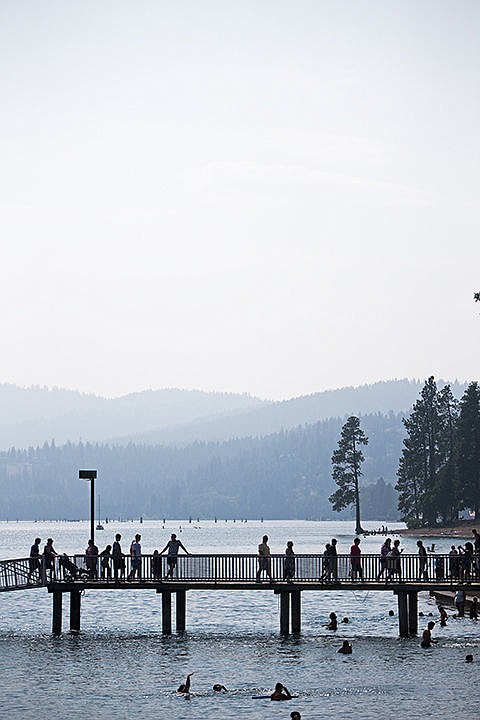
x=90, y=475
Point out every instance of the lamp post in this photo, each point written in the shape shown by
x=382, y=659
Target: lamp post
x=90, y=475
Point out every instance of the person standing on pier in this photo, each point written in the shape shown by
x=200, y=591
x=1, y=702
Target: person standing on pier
x=264, y=562
x=384, y=551
x=394, y=565
x=355, y=561
x=422, y=561
x=34, y=561
x=289, y=563
x=173, y=546
x=49, y=555
x=136, y=558
x=91, y=559
x=333, y=559
x=106, y=570
x=118, y=559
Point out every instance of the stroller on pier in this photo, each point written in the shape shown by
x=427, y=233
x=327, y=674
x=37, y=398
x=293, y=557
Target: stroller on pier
x=70, y=570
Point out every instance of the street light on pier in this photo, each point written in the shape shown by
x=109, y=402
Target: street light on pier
x=90, y=475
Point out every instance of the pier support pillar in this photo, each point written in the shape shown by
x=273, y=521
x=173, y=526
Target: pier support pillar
x=181, y=608
x=284, y=613
x=296, y=611
x=413, y=613
x=402, y=614
x=57, y=613
x=167, y=613
x=75, y=611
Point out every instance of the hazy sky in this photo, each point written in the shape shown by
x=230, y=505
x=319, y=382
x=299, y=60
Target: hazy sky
x=274, y=197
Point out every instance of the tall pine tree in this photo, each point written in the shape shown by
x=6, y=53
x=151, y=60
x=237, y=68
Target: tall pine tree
x=347, y=462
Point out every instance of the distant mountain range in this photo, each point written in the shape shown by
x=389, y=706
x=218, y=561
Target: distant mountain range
x=35, y=415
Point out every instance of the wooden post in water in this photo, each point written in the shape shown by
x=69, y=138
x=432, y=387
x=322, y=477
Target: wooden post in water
x=181, y=608
x=296, y=611
x=75, y=611
x=402, y=613
x=166, y=613
x=284, y=613
x=413, y=613
x=57, y=613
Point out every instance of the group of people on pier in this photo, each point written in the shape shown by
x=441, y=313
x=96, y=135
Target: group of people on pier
x=463, y=563
x=112, y=558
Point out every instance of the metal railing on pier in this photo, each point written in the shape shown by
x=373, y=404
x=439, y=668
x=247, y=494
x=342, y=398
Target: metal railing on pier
x=241, y=568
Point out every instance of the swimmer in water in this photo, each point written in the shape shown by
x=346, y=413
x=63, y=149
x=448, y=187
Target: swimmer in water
x=346, y=648
x=468, y=658
x=443, y=615
x=333, y=624
x=280, y=693
x=427, y=639
x=219, y=688
x=295, y=715
x=185, y=687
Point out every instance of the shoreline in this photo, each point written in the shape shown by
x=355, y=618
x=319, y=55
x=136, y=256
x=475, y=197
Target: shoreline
x=462, y=529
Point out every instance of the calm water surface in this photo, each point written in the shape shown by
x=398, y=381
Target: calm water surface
x=122, y=667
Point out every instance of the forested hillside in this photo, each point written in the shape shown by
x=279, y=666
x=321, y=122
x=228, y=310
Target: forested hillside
x=282, y=475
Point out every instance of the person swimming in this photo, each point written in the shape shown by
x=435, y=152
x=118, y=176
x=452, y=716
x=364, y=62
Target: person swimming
x=346, y=648
x=333, y=624
x=185, y=687
x=280, y=693
x=219, y=688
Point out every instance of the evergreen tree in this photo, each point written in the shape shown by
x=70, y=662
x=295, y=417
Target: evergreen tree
x=426, y=473
x=347, y=462
x=468, y=448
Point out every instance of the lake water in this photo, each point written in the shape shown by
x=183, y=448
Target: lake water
x=122, y=667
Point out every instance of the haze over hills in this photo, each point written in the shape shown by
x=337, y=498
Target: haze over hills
x=32, y=416
x=395, y=396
